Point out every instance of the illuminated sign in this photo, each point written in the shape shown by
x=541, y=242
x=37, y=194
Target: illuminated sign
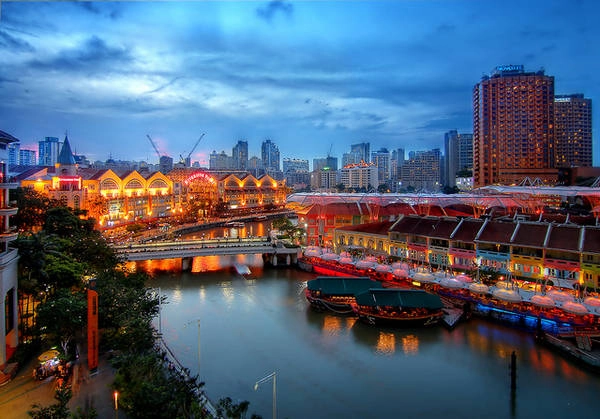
x=512, y=67
x=562, y=99
x=199, y=176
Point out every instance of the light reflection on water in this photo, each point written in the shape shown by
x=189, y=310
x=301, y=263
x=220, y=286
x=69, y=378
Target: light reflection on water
x=330, y=366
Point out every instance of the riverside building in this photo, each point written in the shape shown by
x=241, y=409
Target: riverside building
x=513, y=127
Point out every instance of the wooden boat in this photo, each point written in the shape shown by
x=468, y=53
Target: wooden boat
x=337, y=294
x=399, y=307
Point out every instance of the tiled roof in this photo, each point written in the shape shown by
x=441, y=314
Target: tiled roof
x=497, y=232
x=564, y=238
x=591, y=241
x=468, y=229
x=530, y=234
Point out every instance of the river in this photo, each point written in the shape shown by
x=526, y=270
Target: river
x=335, y=367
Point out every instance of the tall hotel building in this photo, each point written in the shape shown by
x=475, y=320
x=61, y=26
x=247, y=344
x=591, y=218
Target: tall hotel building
x=573, y=131
x=513, y=127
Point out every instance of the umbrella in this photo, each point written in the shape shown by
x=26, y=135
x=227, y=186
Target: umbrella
x=479, y=288
x=592, y=301
x=557, y=295
x=575, y=308
x=51, y=354
x=507, y=295
x=383, y=268
x=542, y=301
x=329, y=256
x=451, y=282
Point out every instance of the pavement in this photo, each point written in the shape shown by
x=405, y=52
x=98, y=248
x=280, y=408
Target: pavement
x=89, y=390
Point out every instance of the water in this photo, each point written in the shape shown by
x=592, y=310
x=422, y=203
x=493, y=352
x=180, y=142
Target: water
x=334, y=367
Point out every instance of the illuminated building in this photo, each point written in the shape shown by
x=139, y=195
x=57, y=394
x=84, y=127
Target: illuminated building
x=8, y=261
x=422, y=171
x=360, y=176
x=573, y=130
x=513, y=127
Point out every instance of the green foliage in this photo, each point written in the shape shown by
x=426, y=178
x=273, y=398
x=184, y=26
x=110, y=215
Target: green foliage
x=32, y=209
x=62, y=315
x=58, y=410
x=149, y=389
x=125, y=311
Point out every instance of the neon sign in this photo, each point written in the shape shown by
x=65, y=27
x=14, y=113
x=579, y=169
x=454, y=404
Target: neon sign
x=199, y=176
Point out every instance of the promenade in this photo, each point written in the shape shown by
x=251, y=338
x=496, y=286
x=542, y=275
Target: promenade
x=19, y=395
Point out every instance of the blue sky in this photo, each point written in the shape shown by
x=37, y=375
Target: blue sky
x=310, y=75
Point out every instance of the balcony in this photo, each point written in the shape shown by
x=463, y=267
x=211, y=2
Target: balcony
x=8, y=211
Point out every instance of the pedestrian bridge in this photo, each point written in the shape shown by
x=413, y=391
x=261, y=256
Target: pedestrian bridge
x=272, y=252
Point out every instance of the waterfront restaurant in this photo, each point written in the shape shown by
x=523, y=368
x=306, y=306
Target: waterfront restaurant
x=558, y=253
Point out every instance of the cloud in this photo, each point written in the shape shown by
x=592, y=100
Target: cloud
x=94, y=55
x=276, y=6
x=13, y=44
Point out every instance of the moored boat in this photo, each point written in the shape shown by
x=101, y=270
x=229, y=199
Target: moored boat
x=336, y=293
x=399, y=307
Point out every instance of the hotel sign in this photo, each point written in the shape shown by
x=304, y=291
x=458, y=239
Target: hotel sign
x=509, y=68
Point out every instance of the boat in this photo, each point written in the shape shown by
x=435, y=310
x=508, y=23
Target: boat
x=236, y=224
x=337, y=294
x=242, y=269
x=399, y=307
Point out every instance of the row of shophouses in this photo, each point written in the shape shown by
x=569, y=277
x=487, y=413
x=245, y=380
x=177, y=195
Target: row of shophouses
x=564, y=253
x=119, y=198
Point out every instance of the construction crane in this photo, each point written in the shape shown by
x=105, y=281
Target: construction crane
x=155, y=147
x=188, y=160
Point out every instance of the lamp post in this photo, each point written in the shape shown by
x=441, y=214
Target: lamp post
x=266, y=378
x=116, y=397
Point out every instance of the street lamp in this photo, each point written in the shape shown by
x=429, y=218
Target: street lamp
x=116, y=397
x=273, y=376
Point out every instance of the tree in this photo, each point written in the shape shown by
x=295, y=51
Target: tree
x=62, y=316
x=59, y=410
x=32, y=209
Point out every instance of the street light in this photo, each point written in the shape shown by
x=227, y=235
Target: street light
x=273, y=376
x=116, y=396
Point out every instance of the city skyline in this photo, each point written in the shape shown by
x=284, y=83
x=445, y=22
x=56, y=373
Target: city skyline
x=310, y=76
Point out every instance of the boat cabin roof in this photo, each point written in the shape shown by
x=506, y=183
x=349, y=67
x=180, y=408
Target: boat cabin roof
x=342, y=285
x=399, y=298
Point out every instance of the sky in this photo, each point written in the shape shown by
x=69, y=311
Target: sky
x=312, y=76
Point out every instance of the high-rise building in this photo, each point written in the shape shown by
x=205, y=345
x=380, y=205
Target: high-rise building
x=382, y=159
x=13, y=154
x=48, y=150
x=323, y=162
x=27, y=157
x=219, y=161
x=360, y=176
x=294, y=165
x=573, y=130
x=422, y=171
x=270, y=156
x=240, y=155
x=458, y=156
x=513, y=127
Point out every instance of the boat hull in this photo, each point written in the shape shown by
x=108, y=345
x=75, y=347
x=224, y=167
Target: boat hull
x=400, y=320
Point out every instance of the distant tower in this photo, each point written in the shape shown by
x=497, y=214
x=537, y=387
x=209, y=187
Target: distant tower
x=458, y=155
x=382, y=158
x=240, y=155
x=65, y=163
x=513, y=127
x=48, y=150
x=573, y=130
x=270, y=156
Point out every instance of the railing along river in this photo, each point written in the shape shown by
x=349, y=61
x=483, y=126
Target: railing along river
x=202, y=247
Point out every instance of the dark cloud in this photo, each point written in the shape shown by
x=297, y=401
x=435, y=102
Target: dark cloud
x=268, y=11
x=110, y=10
x=11, y=43
x=94, y=54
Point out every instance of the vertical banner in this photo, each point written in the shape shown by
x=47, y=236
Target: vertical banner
x=92, y=329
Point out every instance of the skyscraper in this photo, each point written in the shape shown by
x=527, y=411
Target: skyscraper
x=573, y=130
x=270, y=156
x=513, y=127
x=458, y=155
x=422, y=171
x=240, y=155
x=48, y=150
x=381, y=158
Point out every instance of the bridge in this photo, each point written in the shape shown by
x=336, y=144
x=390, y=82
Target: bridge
x=272, y=251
